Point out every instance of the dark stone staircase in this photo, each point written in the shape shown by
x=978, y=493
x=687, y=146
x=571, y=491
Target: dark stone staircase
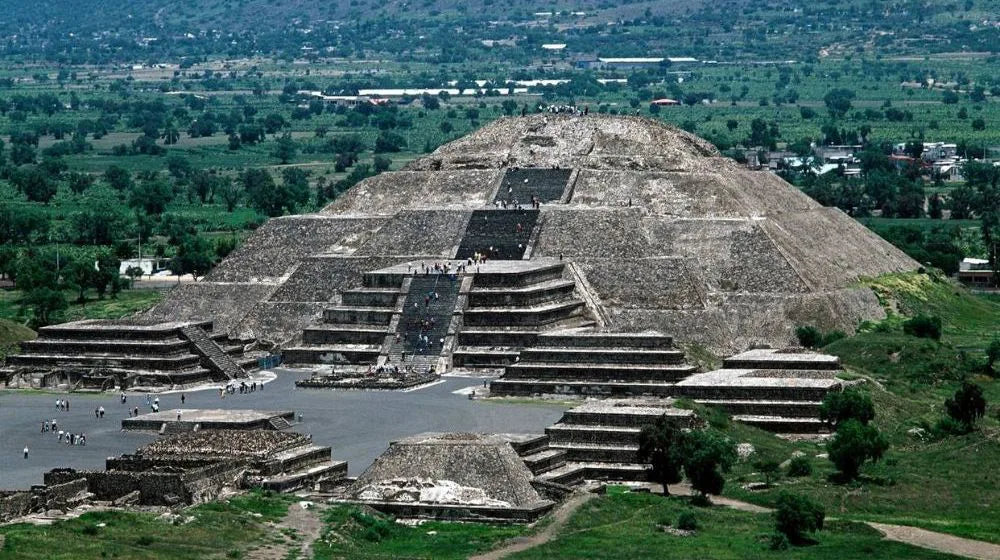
x=213, y=356
x=546, y=185
x=427, y=310
x=498, y=234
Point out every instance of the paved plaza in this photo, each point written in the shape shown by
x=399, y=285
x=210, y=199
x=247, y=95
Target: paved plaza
x=358, y=425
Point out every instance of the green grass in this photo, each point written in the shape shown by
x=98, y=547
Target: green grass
x=11, y=334
x=222, y=529
x=942, y=483
x=627, y=526
x=357, y=534
x=128, y=302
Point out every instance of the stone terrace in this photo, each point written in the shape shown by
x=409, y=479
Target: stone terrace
x=777, y=390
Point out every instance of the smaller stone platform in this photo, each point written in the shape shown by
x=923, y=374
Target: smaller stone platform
x=192, y=420
x=363, y=380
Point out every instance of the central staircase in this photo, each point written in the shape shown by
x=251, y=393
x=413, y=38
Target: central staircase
x=498, y=234
x=431, y=299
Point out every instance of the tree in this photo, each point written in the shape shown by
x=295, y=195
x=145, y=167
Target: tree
x=850, y=404
x=22, y=153
x=118, y=177
x=262, y=192
x=194, y=257
x=993, y=356
x=79, y=274
x=795, y=515
x=949, y=97
x=769, y=467
x=274, y=122
x=923, y=326
x=978, y=124
x=230, y=191
x=285, y=148
x=36, y=185
x=446, y=127
x=838, y=101
x=389, y=142
x=707, y=456
x=79, y=182
x=853, y=445
x=381, y=163
x=151, y=196
x=46, y=304
x=295, y=184
x=179, y=166
x=662, y=446
x=967, y=405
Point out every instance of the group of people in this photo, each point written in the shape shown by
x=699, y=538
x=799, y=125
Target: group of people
x=62, y=435
x=565, y=109
x=242, y=388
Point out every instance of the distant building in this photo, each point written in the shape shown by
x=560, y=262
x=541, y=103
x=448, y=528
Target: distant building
x=554, y=46
x=975, y=272
x=665, y=101
x=148, y=266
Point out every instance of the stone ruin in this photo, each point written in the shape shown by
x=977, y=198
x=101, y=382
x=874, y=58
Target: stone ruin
x=457, y=476
x=194, y=467
x=128, y=354
x=628, y=225
x=180, y=420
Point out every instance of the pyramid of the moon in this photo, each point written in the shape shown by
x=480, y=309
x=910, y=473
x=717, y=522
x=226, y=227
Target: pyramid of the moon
x=647, y=228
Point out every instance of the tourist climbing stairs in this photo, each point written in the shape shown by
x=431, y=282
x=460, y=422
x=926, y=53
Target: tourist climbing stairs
x=498, y=234
x=213, y=356
x=427, y=311
x=545, y=185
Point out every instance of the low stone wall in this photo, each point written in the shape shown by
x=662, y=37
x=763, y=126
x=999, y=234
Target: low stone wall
x=16, y=504
x=447, y=512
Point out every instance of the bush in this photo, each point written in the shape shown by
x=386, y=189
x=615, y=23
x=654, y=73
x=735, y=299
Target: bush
x=845, y=405
x=948, y=426
x=687, y=521
x=853, y=445
x=809, y=337
x=800, y=466
x=796, y=515
x=923, y=326
x=967, y=405
x=145, y=540
x=778, y=542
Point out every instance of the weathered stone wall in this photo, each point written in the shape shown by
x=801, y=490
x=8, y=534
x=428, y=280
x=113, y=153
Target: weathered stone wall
x=279, y=244
x=388, y=192
x=16, y=504
x=227, y=304
x=419, y=232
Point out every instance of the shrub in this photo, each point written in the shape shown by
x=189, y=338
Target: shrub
x=948, y=426
x=809, y=337
x=845, y=405
x=687, y=521
x=967, y=405
x=853, y=445
x=800, y=466
x=923, y=326
x=778, y=542
x=770, y=468
x=145, y=540
x=796, y=515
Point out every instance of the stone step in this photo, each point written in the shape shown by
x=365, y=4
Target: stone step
x=56, y=346
x=598, y=372
x=792, y=409
x=529, y=387
x=596, y=452
x=619, y=471
x=344, y=334
x=305, y=477
x=607, y=340
x=370, y=297
x=296, y=459
x=590, y=433
x=162, y=363
x=332, y=354
x=625, y=417
x=536, y=274
x=545, y=460
x=538, y=315
x=785, y=425
x=516, y=338
x=477, y=357
x=535, y=294
x=755, y=392
x=528, y=444
x=601, y=355
x=545, y=185
x=568, y=474
x=358, y=315
x=499, y=234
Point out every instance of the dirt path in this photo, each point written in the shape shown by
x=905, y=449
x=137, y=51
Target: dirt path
x=559, y=519
x=939, y=541
x=922, y=538
x=305, y=524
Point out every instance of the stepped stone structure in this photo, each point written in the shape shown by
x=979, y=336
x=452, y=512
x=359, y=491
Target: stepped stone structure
x=776, y=390
x=127, y=354
x=622, y=224
x=194, y=467
x=179, y=420
x=454, y=476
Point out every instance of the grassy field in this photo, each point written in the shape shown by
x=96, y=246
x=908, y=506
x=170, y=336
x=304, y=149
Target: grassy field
x=938, y=482
x=628, y=525
x=353, y=533
x=216, y=530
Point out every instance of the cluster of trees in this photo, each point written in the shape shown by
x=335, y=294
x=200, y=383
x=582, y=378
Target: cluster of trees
x=703, y=456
